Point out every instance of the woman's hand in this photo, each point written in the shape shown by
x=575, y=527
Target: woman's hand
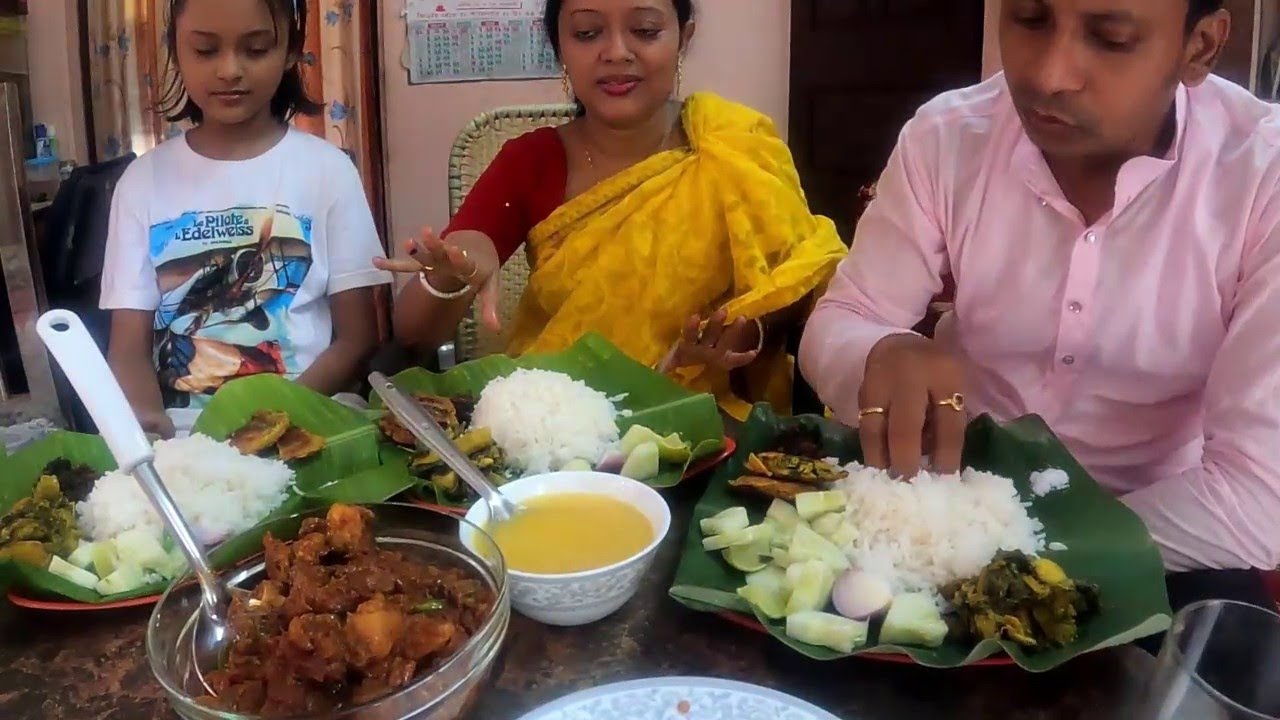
x=714, y=344
x=911, y=400
x=450, y=269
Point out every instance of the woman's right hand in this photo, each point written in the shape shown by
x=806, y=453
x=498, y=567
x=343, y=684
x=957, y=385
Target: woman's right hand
x=449, y=268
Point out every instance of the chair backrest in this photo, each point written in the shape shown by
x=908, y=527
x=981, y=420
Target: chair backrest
x=474, y=149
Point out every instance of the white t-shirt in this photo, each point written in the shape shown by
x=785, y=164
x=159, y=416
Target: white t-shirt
x=238, y=259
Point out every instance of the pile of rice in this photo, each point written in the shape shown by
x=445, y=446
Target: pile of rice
x=544, y=420
x=220, y=492
x=936, y=529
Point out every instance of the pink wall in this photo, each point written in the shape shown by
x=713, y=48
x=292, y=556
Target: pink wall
x=53, y=34
x=741, y=51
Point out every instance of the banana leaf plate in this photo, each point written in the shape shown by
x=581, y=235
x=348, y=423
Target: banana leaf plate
x=645, y=397
x=697, y=468
x=349, y=469
x=1106, y=543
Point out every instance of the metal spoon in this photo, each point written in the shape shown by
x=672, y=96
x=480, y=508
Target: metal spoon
x=78, y=355
x=430, y=436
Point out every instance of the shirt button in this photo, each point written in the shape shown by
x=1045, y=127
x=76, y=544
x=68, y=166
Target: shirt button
x=1075, y=307
x=1091, y=237
x=1068, y=359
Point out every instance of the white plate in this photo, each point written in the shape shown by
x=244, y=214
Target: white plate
x=679, y=698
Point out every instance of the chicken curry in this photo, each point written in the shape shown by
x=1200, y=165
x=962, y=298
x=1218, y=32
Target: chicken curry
x=340, y=622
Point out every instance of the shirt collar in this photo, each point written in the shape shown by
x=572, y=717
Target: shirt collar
x=1134, y=177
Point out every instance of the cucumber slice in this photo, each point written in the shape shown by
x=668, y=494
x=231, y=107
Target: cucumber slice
x=811, y=505
x=82, y=557
x=104, y=558
x=827, y=630
x=827, y=525
x=578, y=465
x=782, y=558
x=811, y=584
x=727, y=521
x=67, y=571
x=772, y=577
x=913, y=619
x=771, y=602
x=808, y=545
x=642, y=463
x=782, y=512
x=844, y=536
x=636, y=436
x=747, y=536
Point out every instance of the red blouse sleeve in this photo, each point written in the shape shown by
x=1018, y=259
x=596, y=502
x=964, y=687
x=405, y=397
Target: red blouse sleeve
x=521, y=187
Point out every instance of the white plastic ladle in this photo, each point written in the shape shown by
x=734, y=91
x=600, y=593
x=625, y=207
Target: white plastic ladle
x=82, y=362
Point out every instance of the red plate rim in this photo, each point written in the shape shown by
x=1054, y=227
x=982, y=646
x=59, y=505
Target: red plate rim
x=750, y=623
x=703, y=465
x=23, y=601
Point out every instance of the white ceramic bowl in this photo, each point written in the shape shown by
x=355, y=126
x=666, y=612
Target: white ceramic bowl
x=584, y=597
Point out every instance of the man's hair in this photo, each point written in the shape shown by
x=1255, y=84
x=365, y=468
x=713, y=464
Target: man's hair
x=1197, y=10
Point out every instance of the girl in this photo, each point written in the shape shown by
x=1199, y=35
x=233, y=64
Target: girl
x=241, y=247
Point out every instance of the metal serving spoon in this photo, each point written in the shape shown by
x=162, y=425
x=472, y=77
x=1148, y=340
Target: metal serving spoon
x=431, y=437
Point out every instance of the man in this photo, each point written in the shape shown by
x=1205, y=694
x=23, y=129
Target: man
x=1108, y=212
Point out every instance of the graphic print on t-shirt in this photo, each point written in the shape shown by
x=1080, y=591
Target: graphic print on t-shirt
x=227, y=280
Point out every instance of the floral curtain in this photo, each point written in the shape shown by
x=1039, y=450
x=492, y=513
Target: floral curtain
x=128, y=66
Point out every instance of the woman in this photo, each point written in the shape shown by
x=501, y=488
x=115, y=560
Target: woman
x=679, y=232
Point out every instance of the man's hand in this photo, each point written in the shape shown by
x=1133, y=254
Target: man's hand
x=157, y=423
x=911, y=400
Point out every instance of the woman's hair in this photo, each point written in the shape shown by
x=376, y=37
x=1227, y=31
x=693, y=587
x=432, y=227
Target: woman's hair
x=290, y=98
x=551, y=19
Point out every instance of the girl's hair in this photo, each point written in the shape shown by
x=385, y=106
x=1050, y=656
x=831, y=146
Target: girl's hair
x=291, y=97
x=551, y=19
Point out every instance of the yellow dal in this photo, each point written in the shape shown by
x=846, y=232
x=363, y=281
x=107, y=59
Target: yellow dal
x=572, y=532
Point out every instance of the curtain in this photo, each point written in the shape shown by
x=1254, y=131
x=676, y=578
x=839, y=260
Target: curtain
x=129, y=65
x=339, y=69
x=126, y=66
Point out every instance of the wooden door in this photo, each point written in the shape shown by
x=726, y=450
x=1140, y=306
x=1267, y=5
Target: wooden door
x=859, y=70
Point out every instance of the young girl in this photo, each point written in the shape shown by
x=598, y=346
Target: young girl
x=243, y=246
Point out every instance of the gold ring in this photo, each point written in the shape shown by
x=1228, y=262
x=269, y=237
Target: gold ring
x=870, y=411
x=955, y=402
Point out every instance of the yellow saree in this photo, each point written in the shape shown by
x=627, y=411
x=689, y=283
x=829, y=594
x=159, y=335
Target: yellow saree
x=721, y=224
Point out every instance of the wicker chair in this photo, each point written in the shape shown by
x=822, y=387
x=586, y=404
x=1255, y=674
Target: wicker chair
x=474, y=149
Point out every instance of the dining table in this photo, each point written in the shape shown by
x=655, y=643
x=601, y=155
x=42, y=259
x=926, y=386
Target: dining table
x=83, y=665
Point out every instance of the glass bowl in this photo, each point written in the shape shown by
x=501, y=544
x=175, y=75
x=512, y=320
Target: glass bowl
x=422, y=534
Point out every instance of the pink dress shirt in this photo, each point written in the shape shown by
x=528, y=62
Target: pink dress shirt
x=1149, y=341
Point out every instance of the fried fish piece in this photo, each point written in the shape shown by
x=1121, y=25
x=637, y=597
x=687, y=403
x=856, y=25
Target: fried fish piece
x=793, y=468
x=769, y=488
x=441, y=409
x=263, y=430
x=299, y=444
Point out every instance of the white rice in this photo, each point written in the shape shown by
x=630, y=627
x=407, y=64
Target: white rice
x=936, y=529
x=1049, y=480
x=544, y=420
x=219, y=491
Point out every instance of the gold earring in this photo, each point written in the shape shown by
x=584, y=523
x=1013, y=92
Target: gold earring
x=565, y=85
x=679, y=75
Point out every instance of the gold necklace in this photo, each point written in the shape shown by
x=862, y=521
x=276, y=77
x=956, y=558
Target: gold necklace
x=586, y=150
